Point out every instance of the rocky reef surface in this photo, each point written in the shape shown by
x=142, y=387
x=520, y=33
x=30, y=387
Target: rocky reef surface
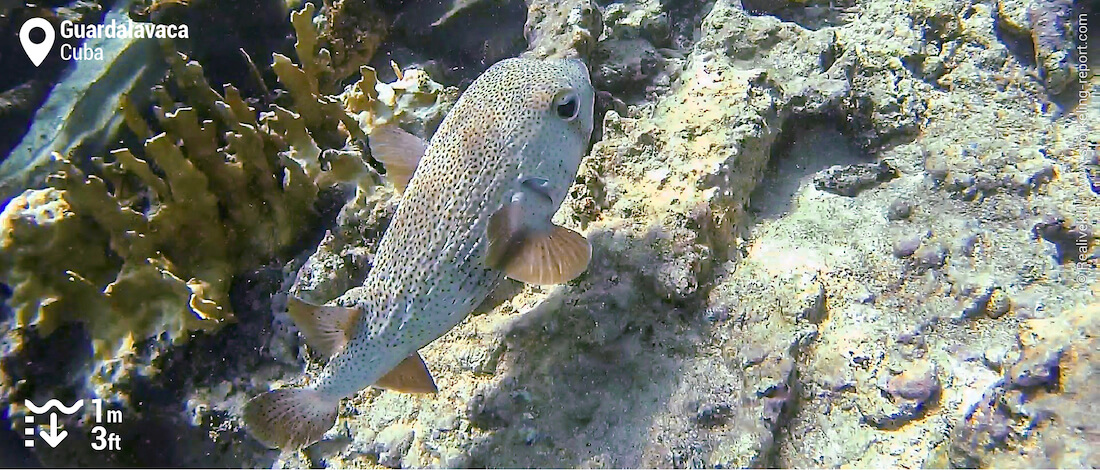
x=823, y=235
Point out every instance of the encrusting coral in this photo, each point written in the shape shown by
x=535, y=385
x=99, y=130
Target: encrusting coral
x=147, y=242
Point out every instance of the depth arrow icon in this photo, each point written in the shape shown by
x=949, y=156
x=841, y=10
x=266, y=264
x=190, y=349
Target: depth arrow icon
x=53, y=438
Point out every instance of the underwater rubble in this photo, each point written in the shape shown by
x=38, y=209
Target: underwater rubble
x=823, y=235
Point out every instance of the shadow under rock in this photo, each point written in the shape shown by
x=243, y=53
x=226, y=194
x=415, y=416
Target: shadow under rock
x=13, y=454
x=810, y=14
x=157, y=428
x=454, y=41
x=590, y=369
x=803, y=148
x=34, y=362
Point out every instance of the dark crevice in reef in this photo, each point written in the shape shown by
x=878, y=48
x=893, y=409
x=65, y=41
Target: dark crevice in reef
x=204, y=361
x=805, y=146
x=1019, y=43
x=789, y=399
x=219, y=29
x=812, y=14
x=453, y=46
x=858, y=123
x=1068, y=238
x=23, y=366
x=685, y=17
x=44, y=368
x=13, y=454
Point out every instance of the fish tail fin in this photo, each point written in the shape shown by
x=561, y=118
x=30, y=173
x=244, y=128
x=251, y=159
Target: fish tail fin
x=290, y=418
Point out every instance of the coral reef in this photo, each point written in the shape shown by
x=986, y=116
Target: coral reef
x=160, y=236
x=1043, y=32
x=808, y=251
x=138, y=253
x=413, y=102
x=850, y=235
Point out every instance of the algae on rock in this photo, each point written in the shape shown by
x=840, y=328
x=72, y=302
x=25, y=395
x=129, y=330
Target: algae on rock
x=562, y=29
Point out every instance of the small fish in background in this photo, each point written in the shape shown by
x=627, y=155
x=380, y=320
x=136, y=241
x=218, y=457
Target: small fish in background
x=475, y=208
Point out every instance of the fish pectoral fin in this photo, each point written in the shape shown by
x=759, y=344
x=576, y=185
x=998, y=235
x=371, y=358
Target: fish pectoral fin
x=410, y=376
x=326, y=328
x=399, y=152
x=555, y=256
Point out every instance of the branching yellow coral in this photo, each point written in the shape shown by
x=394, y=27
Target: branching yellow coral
x=148, y=241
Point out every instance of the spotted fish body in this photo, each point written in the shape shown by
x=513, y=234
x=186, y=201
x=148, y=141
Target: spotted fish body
x=477, y=208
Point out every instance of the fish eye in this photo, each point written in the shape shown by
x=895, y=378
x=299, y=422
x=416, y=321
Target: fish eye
x=567, y=106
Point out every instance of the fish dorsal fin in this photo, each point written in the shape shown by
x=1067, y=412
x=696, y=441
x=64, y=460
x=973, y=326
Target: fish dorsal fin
x=399, y=152
x=326, y=328
x=555, y=256
x=410, y=376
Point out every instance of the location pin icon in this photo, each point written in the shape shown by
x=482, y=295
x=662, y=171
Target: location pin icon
x=36, y=52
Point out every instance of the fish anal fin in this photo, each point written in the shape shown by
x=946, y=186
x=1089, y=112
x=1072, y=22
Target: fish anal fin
x=326, y=328
x=410, y=376
x=399, y=152
x=555, y=256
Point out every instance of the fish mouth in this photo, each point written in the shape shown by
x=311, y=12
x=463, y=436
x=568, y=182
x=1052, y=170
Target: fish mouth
x=538, y=186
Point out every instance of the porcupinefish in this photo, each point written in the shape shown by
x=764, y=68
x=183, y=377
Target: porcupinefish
x=476, y=207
